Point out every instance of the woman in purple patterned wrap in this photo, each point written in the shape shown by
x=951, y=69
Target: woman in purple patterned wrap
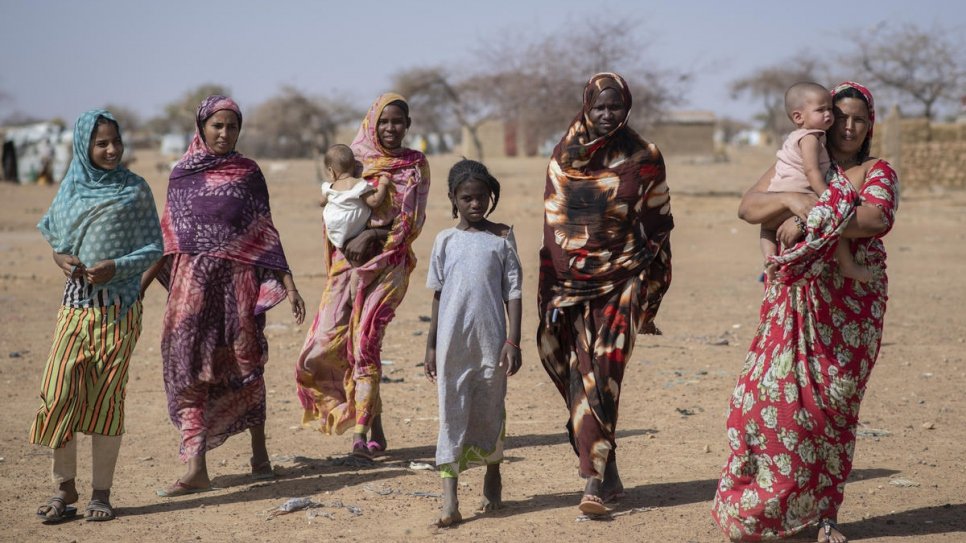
x=224, y=267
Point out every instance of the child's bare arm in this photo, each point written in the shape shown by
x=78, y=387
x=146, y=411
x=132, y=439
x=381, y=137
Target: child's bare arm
x=429, y=361
x=811, y=148
x=374, y=199
x=511, y=355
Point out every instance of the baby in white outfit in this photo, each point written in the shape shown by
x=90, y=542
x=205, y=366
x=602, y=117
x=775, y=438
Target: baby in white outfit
x=347, y=201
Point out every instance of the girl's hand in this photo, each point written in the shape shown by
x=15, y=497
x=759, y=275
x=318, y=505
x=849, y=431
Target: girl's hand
x=70, y=264
x=101, y=272
x=429, y=364
x=789, y=233
x=510, y=357
x=298, y=305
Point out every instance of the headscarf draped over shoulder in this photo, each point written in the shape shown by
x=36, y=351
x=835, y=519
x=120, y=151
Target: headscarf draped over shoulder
x=607, y=209
x=408, y=171
x=104, y=214
x=218, y=204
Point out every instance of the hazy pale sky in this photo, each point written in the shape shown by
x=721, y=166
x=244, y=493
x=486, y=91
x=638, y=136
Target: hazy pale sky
x=59, y=58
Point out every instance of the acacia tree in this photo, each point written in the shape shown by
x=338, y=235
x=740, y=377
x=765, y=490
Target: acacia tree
x=127, y=118
x=293, y=125
x=925, y=66
x=179, y=115
x=769, y=84
x=446, y=101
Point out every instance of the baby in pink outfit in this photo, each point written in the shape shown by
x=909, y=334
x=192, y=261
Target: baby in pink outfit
x=803, y=162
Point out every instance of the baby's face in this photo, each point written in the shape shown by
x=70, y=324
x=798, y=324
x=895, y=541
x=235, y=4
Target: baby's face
x=817, y=111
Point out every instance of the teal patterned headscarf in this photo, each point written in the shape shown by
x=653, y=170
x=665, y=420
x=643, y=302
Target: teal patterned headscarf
x=104, y=214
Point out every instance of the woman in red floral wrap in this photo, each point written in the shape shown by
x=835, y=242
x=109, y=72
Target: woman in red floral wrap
x=796, y=406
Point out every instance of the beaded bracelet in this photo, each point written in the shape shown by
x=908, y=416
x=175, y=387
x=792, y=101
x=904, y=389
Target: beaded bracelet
x=800, y=223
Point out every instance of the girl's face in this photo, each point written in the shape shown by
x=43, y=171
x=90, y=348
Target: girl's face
x=391, y=127
x=106, y=147
x=472, y=200
x=221, y=132
x=607, y=113
x=850, y=128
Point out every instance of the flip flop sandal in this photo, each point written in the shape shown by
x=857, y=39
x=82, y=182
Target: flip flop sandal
x=59, y=506
x=181, y=489
x=98, y=506
x=375, y=447
x=593, y=505
x=361, y=450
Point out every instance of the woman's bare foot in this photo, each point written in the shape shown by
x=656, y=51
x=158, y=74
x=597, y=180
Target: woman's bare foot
x=377, y=434
x=492, y=489
x=451, y=505
x=197, y=474
x=260, y=462
x=67, y=493
x=828, y=532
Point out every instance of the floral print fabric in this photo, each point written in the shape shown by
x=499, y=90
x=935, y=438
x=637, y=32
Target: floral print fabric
x=794, y=411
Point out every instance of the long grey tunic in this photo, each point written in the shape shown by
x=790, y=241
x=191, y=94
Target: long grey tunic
x=475, y=273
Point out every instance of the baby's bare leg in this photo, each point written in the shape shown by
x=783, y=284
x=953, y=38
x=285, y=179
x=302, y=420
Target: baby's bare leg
x=769, y=247
x=848, y=266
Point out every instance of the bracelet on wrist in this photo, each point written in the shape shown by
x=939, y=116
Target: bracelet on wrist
x=512, y=344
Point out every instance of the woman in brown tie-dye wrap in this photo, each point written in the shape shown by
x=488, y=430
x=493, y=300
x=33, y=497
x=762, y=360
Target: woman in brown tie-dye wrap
x=604, y=268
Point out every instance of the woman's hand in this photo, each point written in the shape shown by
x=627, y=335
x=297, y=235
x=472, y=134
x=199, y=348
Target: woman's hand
x=429, y=364
x=70, y=264
x=366, y=245
x=101, y=272
x=511, y=358
x=800, y=204
x=790, y=232
x=298, y=305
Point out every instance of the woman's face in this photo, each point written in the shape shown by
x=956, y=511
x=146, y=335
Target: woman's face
x=607, y=113
x=391, y=127
x=851, y=126
x=106, y=147
x=221, y=132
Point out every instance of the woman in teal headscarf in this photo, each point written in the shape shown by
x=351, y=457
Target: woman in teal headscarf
x=103, y=227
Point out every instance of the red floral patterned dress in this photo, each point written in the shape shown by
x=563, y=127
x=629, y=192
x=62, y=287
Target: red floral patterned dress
x=795, y=408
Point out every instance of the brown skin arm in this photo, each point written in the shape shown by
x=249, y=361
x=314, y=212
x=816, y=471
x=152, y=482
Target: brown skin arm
x=366, y=245
x=429, y=361
x=292, y=294
x=151, y=273
x=758, y=206
x=868, y=221
x=510, y=355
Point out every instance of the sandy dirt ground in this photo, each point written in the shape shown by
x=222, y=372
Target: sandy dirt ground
x=909, y=476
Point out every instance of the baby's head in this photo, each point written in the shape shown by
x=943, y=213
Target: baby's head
x=809, y=105
x=471, y=190
x=339, y=161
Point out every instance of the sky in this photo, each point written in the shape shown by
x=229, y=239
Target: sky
x=60, y=58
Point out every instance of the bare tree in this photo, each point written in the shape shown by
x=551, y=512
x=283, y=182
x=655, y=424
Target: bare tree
x=538, y=83
x=129, y=120
x=180, y=115
x=769, y=84
x=442, y=100
x=925, y=66
x=293, y=125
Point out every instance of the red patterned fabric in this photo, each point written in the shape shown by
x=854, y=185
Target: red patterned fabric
x=795, y=408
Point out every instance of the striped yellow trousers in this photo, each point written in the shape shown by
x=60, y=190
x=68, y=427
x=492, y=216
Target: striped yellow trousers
x=84, y=381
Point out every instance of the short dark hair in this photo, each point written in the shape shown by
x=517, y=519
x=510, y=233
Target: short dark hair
x=339, y=157
x=466, y=170
x=796, y=94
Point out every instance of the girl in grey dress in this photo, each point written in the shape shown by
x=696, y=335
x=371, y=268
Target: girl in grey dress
x=471, y=348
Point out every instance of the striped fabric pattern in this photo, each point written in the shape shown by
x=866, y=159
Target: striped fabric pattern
x=84, y=381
